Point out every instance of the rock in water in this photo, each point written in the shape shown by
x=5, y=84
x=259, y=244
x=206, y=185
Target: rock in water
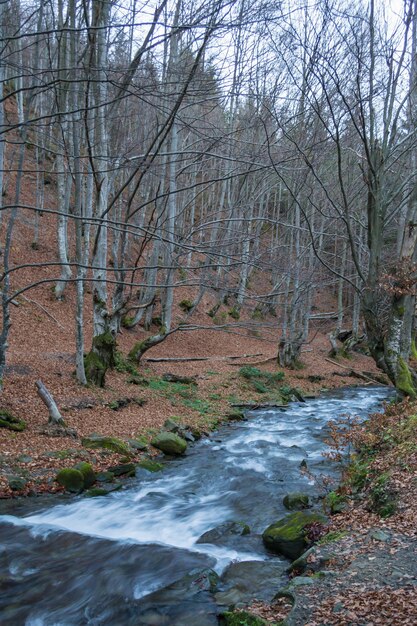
x=170, y=443
x=287, y=536
x=224, y=530
x=296, y=501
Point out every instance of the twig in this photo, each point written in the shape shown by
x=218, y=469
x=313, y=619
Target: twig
x=43, y=309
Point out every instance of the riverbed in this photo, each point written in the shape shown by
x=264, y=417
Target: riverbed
x=138, y=556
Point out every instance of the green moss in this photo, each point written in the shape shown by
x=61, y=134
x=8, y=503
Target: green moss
x=95, y=492
x=235, y=414
x=241, y=618
x=358, y=473
x=124, y=469
x=220, y=319
x=95, y=369
x=212, y=312
x=404, y=381
x=332, y=537
x=123, y=365
x=383, y=497
x=137, y=349
x=260, y=381
x=71, y=479
x=88, y=473
x=96, y=442
x=234, y=313
x=150, y=466
x=257, y=313
x=413, y=349
x=296, y=501
x=7, y=420
x=186, y=305
x=334, y=502
x=127, y=321
x=287, y=536
x=169, y=443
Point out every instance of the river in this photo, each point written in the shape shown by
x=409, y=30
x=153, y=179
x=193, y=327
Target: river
x=134, y=557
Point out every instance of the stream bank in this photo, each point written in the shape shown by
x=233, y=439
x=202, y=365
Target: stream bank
x=165, y=551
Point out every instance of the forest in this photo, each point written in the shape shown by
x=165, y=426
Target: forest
x=204, y=145
x=211, y=204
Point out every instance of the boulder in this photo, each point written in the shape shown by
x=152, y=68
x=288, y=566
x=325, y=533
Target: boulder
x=105, y=477
x=138, y=444
x=71, y=479
x=170, y=443
x=150, y=466
x=197, y=580
x=124, y=469
x=95, y=442
x=296, y=501
x=96, y=491
x=171, y=425
x=17, y=483
x=183, y=380
x=287, y=536
x=224, y=530
x=102, y=491
x=87, y=472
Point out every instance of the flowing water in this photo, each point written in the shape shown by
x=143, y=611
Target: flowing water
x=133, y=557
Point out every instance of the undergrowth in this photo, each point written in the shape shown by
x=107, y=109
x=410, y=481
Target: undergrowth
x=371, y=452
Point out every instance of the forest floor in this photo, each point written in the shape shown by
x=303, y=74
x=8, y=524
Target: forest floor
x=43, y=350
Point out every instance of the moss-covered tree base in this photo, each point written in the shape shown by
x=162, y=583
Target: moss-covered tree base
x=101, y=357
x=404, y=381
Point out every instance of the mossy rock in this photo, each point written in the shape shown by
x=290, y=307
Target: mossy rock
x=296, y=501
x=17, y=483
x=241, y=618
x=105, y=477
x=95, y=442
x=182, y=380
x=226, y=529
x=7, y=420
x=103, y=491
x=136, y=379
x=124, y=469
x=169, y=443
x=171, y=425
x=96, y=492
x=71, y=479
x=88, y=473
x=150, y=466
x=137, y=444
x=287, y=536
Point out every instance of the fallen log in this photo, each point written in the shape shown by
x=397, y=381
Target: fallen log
x=184, y=359
x=55, y=416
x=356, y=374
